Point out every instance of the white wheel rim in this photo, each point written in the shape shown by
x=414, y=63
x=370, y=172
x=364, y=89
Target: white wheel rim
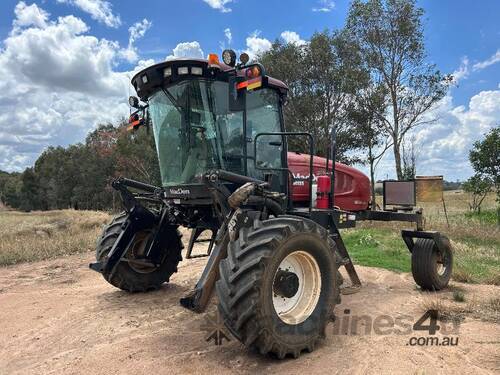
x=440, y=268
x=300, y=306
x=440, y=265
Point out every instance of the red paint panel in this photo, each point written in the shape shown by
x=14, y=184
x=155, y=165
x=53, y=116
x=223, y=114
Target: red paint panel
x=352, y=188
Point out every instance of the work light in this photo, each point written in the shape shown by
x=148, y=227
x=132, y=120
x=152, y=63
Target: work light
x=197, y=71
x=244, y=58
x=229, y=57
x=133, y=101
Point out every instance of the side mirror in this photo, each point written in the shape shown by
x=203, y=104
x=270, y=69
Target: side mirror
x=133, y=101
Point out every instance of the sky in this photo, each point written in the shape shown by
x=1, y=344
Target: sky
x=65, y=65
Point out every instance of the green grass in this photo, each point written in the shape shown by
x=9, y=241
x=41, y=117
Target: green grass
x=488, y=217
x=476, y=260
x=378, y=247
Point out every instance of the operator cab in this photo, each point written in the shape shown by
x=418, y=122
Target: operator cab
x=205, y=115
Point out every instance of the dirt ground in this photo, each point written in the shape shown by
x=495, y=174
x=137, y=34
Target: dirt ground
x=59, y=317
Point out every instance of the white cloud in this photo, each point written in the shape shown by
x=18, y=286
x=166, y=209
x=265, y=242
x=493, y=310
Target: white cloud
x=324, y=6
x=99, y=10
x=136, y=31
x=61, y=56
x=228, y=39
x=462, y=72
x=219, y=5
x=187, y=49
x=29, y=16
x=228, y=35
x=57, y=83
x=292, y=37
x=257, y=45
x=495, y=58
x=444, y=146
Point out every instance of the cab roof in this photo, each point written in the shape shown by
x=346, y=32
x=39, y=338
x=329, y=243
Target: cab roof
x=148, y=80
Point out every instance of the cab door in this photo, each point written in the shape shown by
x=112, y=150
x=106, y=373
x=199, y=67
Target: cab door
x=263, y=115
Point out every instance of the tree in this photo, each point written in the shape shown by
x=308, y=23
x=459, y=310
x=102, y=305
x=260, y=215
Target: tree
x=409, y=155
x=323, y=76
x=79, y=175
x=485, y=157
x=10, y=187
x=389, y=34
x=29, y=194
x=478, y=187
x=376, y=143
x=136, y=155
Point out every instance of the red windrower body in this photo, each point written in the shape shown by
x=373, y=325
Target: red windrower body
x=352, y=188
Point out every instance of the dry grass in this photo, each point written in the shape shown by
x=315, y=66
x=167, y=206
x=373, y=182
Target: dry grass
x=41, y=235
x=34, y=236
x=451, y=310
x=458, y=296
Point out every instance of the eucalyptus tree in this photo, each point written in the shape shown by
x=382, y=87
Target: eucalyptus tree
x=391, y=37
x=323, y=77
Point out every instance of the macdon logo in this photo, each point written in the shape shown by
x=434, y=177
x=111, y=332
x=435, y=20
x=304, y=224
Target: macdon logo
x=179, y=191
x=302, y=179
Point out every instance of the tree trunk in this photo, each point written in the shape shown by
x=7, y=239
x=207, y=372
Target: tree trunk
x=371, y=160
x=397, y=158
x=372, y=177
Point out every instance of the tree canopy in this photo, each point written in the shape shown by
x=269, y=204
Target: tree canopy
x=78, y=176
x=389, y=34
x=370, y=80
x=323, y=76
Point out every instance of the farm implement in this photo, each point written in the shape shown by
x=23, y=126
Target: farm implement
x=274, y=217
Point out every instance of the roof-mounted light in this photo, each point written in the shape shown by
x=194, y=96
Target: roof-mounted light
x=183, y=70
x=167, y=72
x=253, y=72
x=144, y=79
x=244, y=58
x=133, y=101
x=229, y=57
x=196, y=70
x=253, y=77
x=213, y=60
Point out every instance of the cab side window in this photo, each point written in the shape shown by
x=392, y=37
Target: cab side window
x=263, y=117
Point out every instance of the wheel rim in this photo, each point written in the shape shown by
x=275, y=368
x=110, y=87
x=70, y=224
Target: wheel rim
x=441, y=264
x=296, y=302
x=137, y=250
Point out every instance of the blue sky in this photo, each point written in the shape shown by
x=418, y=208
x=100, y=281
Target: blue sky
x=64, y=63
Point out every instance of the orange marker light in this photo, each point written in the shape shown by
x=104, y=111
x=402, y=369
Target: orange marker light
x=253, y=72
x=213, y=59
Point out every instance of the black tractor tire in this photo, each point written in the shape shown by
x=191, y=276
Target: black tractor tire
x=246, y=286
x=431, y=270
x=129, y=278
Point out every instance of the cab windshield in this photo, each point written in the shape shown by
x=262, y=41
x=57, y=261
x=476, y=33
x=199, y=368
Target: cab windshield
x=195, y=131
